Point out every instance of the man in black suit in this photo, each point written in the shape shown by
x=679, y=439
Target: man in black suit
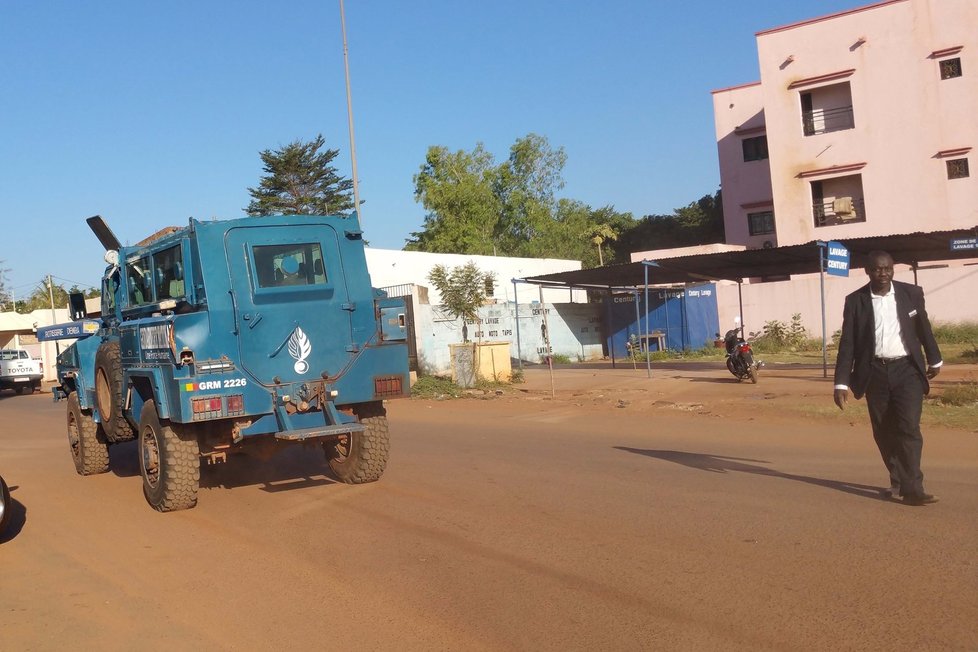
x=884, y=328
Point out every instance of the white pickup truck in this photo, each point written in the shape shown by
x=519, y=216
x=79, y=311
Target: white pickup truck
x=19, y=371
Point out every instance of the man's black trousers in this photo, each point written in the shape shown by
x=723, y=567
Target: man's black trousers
x=894, y=397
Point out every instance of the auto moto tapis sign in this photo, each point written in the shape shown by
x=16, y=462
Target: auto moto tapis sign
x=837, y=259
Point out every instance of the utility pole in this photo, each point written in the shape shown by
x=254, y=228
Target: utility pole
x=349, y=112
x=54, y=316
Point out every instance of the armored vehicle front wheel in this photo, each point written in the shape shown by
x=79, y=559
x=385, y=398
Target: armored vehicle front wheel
x=362, y=457
x=89, y=449
x=108, y=392
x=169, y=460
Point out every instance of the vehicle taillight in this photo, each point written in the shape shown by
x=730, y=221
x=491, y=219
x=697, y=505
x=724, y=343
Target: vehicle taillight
x=205, y=408
x=745, y=347
x=235, y=404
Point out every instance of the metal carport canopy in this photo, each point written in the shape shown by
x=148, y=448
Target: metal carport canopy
x=909, y=249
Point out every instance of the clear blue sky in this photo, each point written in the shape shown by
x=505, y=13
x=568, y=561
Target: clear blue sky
x=151, y=112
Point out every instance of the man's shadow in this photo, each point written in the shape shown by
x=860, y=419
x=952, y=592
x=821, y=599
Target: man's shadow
x=723, y=464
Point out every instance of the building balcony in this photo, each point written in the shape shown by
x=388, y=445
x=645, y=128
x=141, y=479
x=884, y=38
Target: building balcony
x=840, y=210
x=823, y=121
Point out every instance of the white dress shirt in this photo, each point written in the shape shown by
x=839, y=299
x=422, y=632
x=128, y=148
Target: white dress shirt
x=889, y=344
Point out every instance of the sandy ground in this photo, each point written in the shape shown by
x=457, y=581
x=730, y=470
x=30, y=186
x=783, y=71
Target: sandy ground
x=681, y=512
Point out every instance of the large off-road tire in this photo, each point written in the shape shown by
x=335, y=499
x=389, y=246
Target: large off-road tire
x=169, y=460
x=108, y=392
x=362, y=457
x=86, y=439
x=5, y=506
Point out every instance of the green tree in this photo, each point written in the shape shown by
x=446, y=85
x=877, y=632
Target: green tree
x=478, y=206
x=699, y=222
x=458, y=191
x=600, y=233
x=462, y=289
x=527, y=184
x=300, y=180
x=40, y=298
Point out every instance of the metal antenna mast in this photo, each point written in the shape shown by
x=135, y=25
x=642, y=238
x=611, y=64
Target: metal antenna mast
x=349, y=111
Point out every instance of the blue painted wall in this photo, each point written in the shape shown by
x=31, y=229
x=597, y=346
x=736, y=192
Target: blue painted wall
x=688, y=317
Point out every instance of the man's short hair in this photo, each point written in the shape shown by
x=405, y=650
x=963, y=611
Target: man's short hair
x=874, y=254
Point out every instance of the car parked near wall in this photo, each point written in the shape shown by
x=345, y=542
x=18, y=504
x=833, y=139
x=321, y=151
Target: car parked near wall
x=19, y=371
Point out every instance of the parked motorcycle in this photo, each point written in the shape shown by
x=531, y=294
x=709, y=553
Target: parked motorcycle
x=740, y=357
x=4, y=505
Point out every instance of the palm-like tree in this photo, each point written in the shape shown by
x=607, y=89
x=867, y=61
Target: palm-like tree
x=600, y=234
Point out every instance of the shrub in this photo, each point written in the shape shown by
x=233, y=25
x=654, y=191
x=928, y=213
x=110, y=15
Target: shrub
x=778, y=337
x=960, y=395
x=560, y=358
x=958, y=333
x=435, y=386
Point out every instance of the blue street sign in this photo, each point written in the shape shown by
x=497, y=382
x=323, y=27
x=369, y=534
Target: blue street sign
x=961, y=244
x=72, y=330
x=837, y=261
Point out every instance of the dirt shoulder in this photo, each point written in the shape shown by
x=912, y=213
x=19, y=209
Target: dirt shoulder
x=783, y=391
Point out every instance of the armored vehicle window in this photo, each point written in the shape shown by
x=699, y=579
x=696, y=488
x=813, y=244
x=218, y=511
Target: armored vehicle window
x=138, y=276
x=169, y=273
x=291, y=264
x=109, y=287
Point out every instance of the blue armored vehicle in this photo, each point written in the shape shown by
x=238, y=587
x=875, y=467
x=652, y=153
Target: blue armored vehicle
x=234, y=336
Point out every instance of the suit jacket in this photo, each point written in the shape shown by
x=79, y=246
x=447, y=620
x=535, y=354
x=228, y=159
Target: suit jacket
x=857, y=345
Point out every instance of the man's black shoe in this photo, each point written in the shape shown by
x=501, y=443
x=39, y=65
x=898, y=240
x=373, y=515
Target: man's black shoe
x=919, y=499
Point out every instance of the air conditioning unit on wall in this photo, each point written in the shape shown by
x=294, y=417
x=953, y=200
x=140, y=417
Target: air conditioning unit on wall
x=842, y=206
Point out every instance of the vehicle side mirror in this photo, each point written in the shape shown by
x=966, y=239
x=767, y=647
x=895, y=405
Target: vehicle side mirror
x=76, y=306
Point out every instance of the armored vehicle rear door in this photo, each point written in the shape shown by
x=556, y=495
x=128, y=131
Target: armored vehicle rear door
x=290, y=301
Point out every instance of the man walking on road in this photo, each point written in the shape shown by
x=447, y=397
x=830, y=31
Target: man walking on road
x=884, y=327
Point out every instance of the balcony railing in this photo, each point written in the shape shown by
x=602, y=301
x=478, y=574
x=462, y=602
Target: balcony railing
x=832, y=213
x=822, y=121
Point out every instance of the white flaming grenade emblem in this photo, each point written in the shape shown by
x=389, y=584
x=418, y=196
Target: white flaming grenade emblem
x=300, y=348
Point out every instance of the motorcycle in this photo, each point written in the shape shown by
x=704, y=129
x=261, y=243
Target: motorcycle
x=740, y=357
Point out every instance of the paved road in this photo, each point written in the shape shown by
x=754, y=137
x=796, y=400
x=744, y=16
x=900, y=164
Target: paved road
x=508, y=524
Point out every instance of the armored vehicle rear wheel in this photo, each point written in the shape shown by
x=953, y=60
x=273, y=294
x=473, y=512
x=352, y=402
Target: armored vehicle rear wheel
x=89, y=449
x=362, y=456
x=108, y=392
x=169, y=459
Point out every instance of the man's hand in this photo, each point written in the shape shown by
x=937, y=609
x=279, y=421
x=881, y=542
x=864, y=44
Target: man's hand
x=933, y=371
x=841, y=397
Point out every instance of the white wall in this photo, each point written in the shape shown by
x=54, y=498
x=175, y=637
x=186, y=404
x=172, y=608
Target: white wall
x=389, y=267
x=12, y=323
x=575, y=331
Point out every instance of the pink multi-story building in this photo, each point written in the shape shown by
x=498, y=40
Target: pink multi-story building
x=863, y=123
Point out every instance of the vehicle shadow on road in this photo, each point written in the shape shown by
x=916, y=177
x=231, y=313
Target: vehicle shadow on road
x=287, y=469
x=723, y=464
x=124, y=459
x=17, y=515
x=292, y=468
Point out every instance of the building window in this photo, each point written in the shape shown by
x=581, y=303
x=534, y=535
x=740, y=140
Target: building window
x=957, y=168
x=760, y=223
x=950, y=68
x=755, y=149
x=489, y=286
x=838, y=200
x=827, y=109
